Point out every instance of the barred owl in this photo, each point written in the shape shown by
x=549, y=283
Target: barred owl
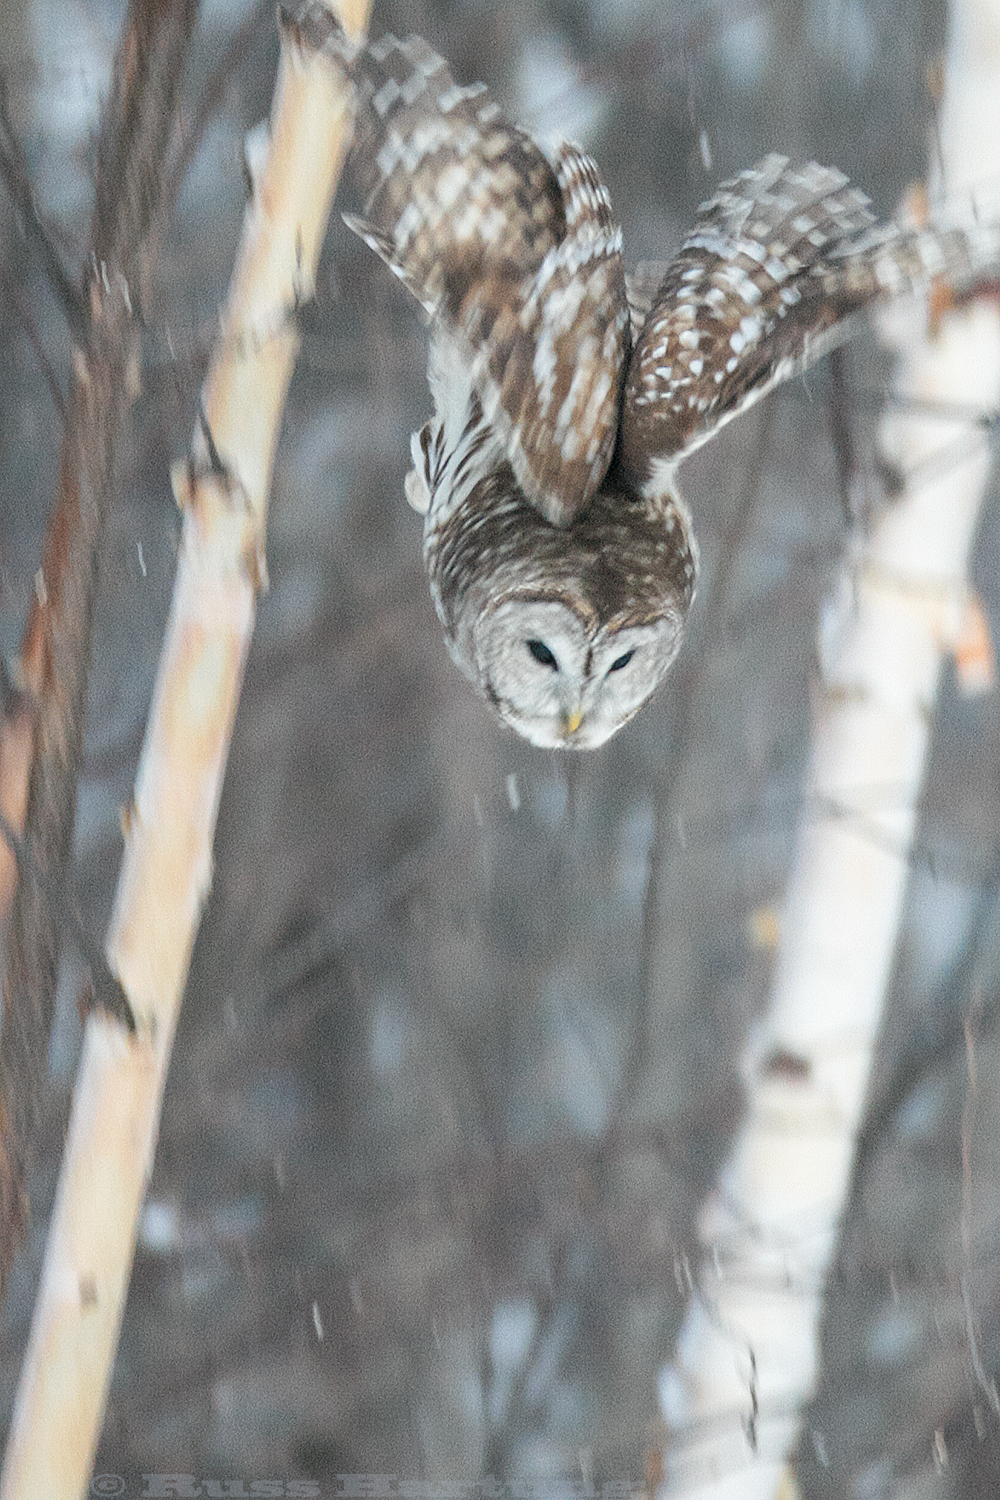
x=561, y=556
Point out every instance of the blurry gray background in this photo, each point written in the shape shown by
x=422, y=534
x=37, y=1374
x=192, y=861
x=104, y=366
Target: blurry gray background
x=458, y=1054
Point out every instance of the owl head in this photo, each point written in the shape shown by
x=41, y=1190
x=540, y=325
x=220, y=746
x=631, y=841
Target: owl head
x=565, y=630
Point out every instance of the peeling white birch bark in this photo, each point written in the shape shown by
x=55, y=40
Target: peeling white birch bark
x=752, y=1328
x=167, y=866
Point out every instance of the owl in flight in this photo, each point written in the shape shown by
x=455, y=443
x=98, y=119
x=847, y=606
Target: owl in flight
x=561, y=556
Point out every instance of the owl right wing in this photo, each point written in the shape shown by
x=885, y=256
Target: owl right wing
x=514, y=256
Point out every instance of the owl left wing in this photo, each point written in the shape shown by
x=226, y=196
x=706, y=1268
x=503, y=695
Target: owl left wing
x=778, y=268
x=514, y=256
x=740, y=307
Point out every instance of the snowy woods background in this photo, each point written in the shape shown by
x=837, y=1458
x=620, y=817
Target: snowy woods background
x=458, y=1057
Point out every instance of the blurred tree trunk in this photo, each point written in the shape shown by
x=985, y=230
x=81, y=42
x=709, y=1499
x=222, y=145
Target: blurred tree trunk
x=42, y=729
x=748, y=1354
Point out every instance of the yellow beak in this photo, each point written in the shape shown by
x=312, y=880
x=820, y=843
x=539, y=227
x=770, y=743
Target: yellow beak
x=572, y=722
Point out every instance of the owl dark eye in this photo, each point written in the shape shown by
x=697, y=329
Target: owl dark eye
x=621, y=661
x=542, y=654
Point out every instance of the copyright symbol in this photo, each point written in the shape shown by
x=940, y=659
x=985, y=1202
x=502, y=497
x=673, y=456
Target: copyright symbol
x=107, y=1484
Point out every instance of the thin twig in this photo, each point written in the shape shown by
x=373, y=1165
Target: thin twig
x=21, y=308
x=14, y=171
x=971, y=1023
x=664, y=802
x=840, y=429
x=918, y=1060
x=213, y=94
x=108, y=993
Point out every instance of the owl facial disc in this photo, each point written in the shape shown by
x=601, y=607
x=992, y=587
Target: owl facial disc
x=561, y=684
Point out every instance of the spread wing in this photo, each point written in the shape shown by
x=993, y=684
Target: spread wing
x=779, y=266
x=514, y=255
x=745, y=304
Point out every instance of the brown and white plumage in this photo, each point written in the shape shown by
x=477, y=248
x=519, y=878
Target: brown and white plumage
x=561, y=556
x=516, y=257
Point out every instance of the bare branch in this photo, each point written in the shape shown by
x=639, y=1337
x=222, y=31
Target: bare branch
x=39, y=759
x=108, y=993
x=665, y=798
x=14, y=171
x=23, y=312
x=211, y=100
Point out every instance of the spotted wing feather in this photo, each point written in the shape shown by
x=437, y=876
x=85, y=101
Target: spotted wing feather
x=514, y=256
x=554, y=364
x=738, y=306
x=779, y=266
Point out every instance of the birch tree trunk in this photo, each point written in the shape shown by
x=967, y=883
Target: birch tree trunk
x=166, y=871
x=748, y=1354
